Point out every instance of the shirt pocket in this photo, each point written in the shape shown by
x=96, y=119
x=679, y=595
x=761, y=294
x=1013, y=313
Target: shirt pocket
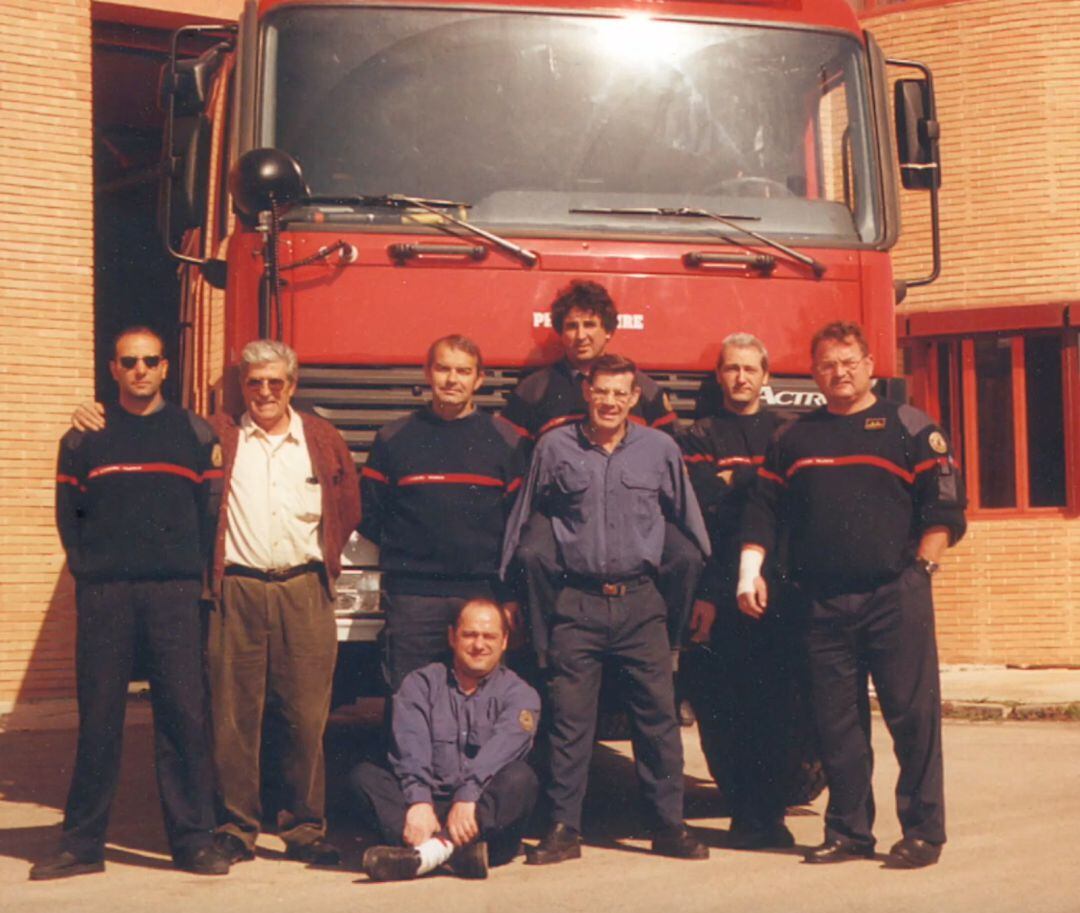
x=444, y=751
x=642, y=488
x=309, y=508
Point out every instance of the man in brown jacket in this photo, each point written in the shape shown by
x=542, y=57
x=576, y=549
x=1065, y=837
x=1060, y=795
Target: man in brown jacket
x=291, y=500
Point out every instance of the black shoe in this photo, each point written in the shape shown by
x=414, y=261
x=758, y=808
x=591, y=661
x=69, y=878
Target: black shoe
x=913, y=853
x=318, y=852
x=471, y=860
x=64, y=864
x=776, y=837
x=232, y=847
x=838, y=851
x=679, y=843
x=203, y=860
x=560, y=843
x=391, y=863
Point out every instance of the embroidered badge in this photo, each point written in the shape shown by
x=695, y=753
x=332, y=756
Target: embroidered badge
x=874, y=424
x=216, y=458
x=725, y=475
x=937, y=442
x=527, y=720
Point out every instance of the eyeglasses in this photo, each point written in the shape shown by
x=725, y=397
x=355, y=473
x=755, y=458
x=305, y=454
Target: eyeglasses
x=255, y=384
x=620, y=396
x=834, y=367
x=127, y=362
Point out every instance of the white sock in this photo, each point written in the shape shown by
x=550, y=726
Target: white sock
x=433, y=853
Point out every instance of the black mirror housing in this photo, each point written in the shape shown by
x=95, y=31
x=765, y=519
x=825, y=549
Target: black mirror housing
x=917, y=134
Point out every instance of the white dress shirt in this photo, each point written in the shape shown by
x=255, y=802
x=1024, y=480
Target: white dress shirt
x=274, y=507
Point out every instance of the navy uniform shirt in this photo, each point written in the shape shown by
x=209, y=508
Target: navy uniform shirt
x=856, y=493
x=448, y=744
x=608, y=510
x=552, y=397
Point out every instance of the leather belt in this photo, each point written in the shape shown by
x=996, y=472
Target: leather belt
x=273, y=575
x=607, y=587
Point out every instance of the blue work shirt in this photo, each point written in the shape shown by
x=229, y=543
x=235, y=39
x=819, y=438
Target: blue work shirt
x=608, y=510
x=448, y=744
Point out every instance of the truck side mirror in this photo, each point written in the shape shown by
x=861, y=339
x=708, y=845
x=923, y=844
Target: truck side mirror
x=187, y=177
x=187, y=82
x=917, y=134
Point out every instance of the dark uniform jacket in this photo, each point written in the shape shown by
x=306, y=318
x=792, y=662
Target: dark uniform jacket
x=139, y=499
x=552, y=397
x=436, y=497
x=856, y=493
x=722, y=455
x=448, y=744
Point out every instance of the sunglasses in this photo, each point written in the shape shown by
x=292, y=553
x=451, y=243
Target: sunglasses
x=127, y=362
x=255, y=384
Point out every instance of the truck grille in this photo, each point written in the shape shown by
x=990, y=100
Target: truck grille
x=359, y=401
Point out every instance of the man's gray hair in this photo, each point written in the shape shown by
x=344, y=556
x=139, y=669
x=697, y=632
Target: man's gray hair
x=744, y=341
x=264, y=351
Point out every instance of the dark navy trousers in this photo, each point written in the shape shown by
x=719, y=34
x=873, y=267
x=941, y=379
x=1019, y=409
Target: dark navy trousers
x=630, y=632
x=502, y=810
x=886, y=635
x=113, y=620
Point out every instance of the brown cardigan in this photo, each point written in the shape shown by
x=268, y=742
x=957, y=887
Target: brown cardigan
x=334, y=468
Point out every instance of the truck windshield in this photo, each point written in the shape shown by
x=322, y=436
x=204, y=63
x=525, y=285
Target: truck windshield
x=531, y=116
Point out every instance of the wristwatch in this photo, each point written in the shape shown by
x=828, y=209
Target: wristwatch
x=931, y=567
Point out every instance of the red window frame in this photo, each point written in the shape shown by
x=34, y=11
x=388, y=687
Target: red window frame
x=923, y=334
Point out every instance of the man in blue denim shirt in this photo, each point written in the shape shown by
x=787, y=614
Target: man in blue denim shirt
x=609, y=487
x=458, y=790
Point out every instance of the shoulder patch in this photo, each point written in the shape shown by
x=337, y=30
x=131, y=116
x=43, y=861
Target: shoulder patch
x=527, y=720
x=937, y=442
x=914, y=420
x=216, y=458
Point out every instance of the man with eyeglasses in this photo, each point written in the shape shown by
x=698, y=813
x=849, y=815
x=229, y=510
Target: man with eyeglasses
x=136, y=507
x=585, y=318
x=608, y=485
x=292, y=499
x=870, y=497
x=437, y=490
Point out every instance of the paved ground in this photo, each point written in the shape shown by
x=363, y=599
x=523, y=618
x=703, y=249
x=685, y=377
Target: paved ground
x=1014, y=808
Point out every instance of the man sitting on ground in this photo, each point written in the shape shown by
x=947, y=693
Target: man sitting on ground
x=458, y=790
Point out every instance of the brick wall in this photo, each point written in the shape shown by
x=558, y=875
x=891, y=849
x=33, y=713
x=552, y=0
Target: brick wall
x=1009, y=106
x=46, y=311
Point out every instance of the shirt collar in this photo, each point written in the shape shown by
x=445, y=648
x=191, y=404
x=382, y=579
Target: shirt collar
x=632, y=431
x=294, y=433
x=452, y=678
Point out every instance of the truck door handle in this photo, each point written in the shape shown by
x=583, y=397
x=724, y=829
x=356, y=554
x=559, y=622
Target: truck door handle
x=764, y=263
x=412, y=251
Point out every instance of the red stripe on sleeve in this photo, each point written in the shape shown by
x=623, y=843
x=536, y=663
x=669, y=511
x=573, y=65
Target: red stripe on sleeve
x=665, y=420
x=771, y=476
x=62, y=479
x=368, y=473
x=521, y=432
x=514, y=485
x=930, y=464
x=854, y=460
x=451, y=478
x=561, y=420
x=144, y=469
x=699, y=458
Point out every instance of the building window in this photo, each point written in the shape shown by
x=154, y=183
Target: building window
x=1003, y=399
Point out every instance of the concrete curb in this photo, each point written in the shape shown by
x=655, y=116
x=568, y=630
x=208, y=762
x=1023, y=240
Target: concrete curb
x=995, y=711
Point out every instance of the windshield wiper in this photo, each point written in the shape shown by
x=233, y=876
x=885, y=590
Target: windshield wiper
x=435, y=207
x=684, y=212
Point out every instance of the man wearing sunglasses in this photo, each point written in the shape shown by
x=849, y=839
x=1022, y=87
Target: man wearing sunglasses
x=136, y=506
x=292, y=499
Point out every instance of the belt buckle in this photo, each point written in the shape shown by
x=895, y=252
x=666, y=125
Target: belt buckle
x=613, y=589
x=277, y=574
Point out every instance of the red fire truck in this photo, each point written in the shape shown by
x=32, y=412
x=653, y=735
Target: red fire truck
x=359, y=177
